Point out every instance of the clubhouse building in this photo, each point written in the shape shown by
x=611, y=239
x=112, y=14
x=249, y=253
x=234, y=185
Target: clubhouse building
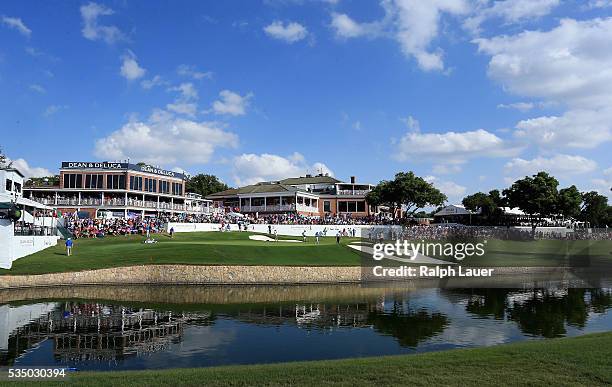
x=319, y=195
x=118, y=189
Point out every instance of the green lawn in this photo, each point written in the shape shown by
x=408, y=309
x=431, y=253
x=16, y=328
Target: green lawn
x=583, y=360
x=203, y=248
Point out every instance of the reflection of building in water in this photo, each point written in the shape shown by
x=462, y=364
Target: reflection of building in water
x=86, y=332
x=321, y=316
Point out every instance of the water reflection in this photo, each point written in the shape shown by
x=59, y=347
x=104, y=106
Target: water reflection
x=123, y=335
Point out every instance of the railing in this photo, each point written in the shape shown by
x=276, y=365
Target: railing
x=305, y=208
x=180, y=207
x=90, y=202
x=70, y=202
x=33, y=230
x=353, y=192
x=43, y=200
x=114, y=202
x=269, y=208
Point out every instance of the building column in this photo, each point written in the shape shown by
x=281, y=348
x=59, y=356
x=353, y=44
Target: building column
x=158, y=202
x=55, y=198
x=126, y=199
x=79, y=202
x=102, y=198
x=265, y=203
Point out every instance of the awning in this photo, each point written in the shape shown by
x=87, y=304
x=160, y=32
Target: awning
x=453, y=209
x=31, y=203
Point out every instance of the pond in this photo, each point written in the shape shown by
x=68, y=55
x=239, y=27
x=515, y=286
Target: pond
x=147, y=327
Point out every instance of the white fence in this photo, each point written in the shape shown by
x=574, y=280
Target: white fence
x=282, y=229
x=14, y=247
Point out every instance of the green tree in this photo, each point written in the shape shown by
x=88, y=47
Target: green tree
x=4, y=160
x=595, y=209
x=408, y=190
x=205, y=185
x=535, y=194
x=480, y=202
x=43, y=181
x=569, y=202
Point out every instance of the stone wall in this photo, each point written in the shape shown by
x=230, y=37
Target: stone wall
x=184, y=274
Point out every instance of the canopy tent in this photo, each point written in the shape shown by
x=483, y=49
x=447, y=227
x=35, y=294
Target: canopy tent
x=454, y=209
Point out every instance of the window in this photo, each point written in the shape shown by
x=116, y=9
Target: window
x=17, y=187
x=136, y=183
x=73, y=180
x=93, y=181
x=150, y=185
x=177, y=189
x=164, y=186
x=326, y=206
x=351, y=206
x=115, y=181
x=9, y=185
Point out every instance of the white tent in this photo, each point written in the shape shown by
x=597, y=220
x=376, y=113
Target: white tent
x=454, y=209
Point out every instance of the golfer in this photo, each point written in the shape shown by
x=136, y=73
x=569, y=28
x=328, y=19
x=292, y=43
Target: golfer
x=69, y=246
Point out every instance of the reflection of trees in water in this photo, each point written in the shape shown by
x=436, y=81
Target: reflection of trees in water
x=539, y=312
x=409, y=327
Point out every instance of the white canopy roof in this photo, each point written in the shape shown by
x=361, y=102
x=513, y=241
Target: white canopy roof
x=454, y=209
x=512, y=211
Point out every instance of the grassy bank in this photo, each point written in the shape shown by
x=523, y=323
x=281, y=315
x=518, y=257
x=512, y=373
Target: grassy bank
x=582, y=360
x=202, y=248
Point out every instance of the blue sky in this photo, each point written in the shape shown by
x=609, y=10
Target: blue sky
x=470, y=94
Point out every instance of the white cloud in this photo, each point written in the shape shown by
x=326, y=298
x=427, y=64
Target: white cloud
x=130, y=69
x=560, y=164
x=153, y=82
x=188, y=109
x=29, y=171
x=165, y=140
x=452, y=190
x=451, y=147
x=37, y=88
x=414, y=24
x=600, y=3
x=573, y=129
x=346, y=27
x=510, y=11
x=568, y=65
x=252, y=168
x=187, y=91
x=291, y=32
x=412, y=123
x=52, y=109
x=231, y=103
x=444, y=169
x=16, y=24
x=190, y=71
x=94, y=31
x=520, y=106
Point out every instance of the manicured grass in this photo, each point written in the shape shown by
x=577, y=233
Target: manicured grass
x=581, y=360
x=543, y=253
x=204, y=248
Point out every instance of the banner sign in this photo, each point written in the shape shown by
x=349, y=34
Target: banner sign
x=104, y=165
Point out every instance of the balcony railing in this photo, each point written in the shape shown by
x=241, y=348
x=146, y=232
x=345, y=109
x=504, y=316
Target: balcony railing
x=353, y=192
x=44, y=200
x=90, y=202
x=69, y=202
x=269, y=208
x=305, y=208
x=114, y=202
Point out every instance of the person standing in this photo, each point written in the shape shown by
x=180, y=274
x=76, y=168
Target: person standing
x=338, y=238
x=317, y=236
x=275, y=235
x=69, y=246
x=171, y=232
x=304, y=235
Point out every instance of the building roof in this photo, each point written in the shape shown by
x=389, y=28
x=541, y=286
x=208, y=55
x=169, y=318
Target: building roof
x=11, y=169
x=256, y=188
x=454, y=209
x=319, y=179
x=284, y=185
